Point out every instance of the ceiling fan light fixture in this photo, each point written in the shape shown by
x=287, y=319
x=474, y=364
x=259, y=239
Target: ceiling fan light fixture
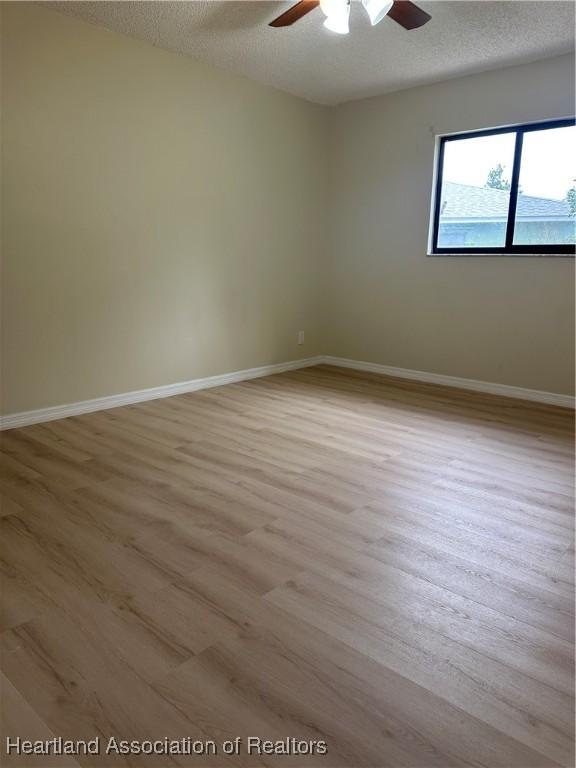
x=338, y=24
x=377, y=9
x=331, y=7
x=337, y=15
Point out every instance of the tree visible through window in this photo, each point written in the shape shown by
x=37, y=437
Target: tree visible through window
x=510, y=190
x=496, y=178
x=571, y=200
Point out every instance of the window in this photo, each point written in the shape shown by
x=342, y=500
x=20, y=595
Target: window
x=507, y=191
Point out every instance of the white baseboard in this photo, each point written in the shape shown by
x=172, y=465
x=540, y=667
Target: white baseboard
x=535, y=395
x=26, y=418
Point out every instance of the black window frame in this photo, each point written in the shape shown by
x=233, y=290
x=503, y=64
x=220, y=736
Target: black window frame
x=508, y=249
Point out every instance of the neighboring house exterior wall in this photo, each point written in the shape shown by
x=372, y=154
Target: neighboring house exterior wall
x=543, y=232
x=473, y=234
x=476, y=217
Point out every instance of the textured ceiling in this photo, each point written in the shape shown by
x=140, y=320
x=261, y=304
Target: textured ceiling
x=309, y=61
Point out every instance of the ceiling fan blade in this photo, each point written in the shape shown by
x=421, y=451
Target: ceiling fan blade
x=408, y=15
x=295, y=13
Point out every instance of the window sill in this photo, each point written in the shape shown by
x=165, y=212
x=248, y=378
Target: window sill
x=505, y=255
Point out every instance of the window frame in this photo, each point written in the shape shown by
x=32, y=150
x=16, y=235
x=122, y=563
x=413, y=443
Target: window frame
x=508, y=249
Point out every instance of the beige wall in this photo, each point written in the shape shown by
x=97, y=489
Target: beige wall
x=161, y=221
x=505, y=320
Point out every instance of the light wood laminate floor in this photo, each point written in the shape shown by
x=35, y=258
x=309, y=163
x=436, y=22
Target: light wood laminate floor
x=324, y=555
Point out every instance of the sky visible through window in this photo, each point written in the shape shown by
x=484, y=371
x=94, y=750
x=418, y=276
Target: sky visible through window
x=548, y=161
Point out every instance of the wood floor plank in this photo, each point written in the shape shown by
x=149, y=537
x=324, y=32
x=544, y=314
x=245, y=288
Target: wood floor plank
x=502, y=558
x=81, y=687
x=409, y=714
x=524, y=709
x=533, y=651
x=323, y=554
x=17, y=716
x=514, y=597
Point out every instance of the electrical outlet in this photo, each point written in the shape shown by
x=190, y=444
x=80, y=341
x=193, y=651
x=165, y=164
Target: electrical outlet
x=300, y=337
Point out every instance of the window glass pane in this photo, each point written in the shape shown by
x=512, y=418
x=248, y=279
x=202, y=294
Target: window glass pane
x=546, y=208
x=476, y=191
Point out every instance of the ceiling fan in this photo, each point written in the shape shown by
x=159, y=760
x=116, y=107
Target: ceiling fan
x=337, y=13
